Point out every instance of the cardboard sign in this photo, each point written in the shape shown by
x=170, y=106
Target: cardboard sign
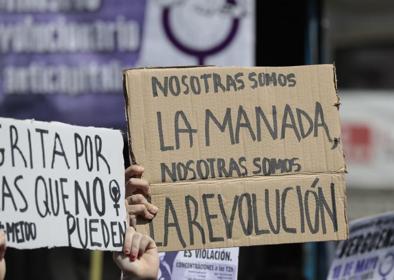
x=61, y=185
x=239, y=156
x=369, y=251
x=207, y=264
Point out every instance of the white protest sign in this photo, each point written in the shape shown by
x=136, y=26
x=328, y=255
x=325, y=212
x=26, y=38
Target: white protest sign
x=61, y=185
x=368, y=253
x=205, y=264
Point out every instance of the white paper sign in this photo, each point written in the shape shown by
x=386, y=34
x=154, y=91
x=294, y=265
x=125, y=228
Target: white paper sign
x=205, y=264
x=369, y=251
x=61, y=185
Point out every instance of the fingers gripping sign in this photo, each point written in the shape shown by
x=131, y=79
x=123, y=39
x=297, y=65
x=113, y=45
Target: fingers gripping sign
x=139, y=258
x=137, y=204
x=137, y=192
x=137, y=185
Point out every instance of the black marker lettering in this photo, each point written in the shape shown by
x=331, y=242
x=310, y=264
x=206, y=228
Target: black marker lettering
x=46, y=211
x=282, y=79
x=252, y=78
x=105, y=231
x=272, y=129
x=89, y=153
x=156, y=84
x=205, y=78
x=64, y=196
x=210, y=217
x=274, y=229
x=239, y=80
x=70, y=228
x=42, y=132
x=301, y=114
x=188, y=130
x=79, y=194
x=84, y=243
x=257, y=230
x=98, y=146
x=228, y=222
x=243, y=121
x=25, y=207
x=230, y=83
x=14, y=145
x=283, y=211
x=222, y=126
x=247, y=229
x=60, y=152
x=174, y=85
x=191, y=219
x=184, y=83
x=169, y=208
x=55, y=206
x=331, y=211
x=163, y=147
x=288, y=113
x=92, y=229
x=78, y=144
x=313, y=227
x=30, y=148
x=301, y=206
x=217, y=83
x=6, y=192
x=291, y=79
x=195, y=85
x=98, y=191
x=320, y=122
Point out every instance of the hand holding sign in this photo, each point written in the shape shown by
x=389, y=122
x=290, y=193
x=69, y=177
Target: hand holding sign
x=140, y=258
x=137, y=190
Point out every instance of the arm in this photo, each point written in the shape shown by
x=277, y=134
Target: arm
x=140, y=258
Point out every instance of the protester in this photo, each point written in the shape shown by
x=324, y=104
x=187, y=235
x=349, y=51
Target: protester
x=140, y=258
x=2, y=252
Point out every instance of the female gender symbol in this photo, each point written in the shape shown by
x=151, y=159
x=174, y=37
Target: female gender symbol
x=114, y=192
x=200, y=54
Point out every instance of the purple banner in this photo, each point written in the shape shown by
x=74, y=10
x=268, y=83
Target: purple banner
x=63, y=59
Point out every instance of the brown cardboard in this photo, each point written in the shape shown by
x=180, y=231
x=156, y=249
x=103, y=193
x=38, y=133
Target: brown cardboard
x=252, y=133
x=264, y=210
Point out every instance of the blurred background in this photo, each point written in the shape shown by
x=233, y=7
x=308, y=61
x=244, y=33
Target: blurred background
x=61, y=60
